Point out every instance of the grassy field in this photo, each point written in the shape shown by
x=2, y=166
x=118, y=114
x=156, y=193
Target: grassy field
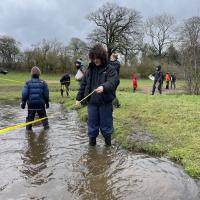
x=166, y=125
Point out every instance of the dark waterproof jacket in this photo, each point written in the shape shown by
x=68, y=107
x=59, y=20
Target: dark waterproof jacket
x=35, y=93
x=81, y=67
x=96, y=76
x=2, y=71
x=116, y=65
x=65, y=79
x=158, y=75
x=173, y=78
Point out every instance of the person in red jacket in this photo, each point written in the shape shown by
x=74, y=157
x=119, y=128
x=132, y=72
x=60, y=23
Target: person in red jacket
x=134, y=82
x=167, y=79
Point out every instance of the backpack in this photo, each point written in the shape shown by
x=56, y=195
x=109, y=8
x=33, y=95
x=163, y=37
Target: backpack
x=79, y=75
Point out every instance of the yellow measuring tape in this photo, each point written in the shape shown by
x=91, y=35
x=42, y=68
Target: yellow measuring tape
x=11, y=128
x=4, y=130
x=87, y=96
x=21, y=125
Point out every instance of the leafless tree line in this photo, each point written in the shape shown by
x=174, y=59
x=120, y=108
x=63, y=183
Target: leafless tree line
x=50, y=55
x=190, y=53
x=124, y=31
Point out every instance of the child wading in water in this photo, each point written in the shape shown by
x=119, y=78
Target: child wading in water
x=36, y=94
x=103, y=79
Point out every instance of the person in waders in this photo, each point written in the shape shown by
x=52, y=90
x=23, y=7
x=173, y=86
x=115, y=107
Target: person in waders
x=36, y=94
x=116, y=64
x=102, y=78
x=158, y=78
x=64, y=84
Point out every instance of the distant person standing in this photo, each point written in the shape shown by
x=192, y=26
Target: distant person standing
x=158, y=78
x=2, y=71
x=134, y=82
x=167, y=79
x=64, y=83
x=116, y=65
x=115, y=62
x=173, y=80
x=36, y=94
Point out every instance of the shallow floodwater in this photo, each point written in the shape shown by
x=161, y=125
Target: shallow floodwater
x=58, y=164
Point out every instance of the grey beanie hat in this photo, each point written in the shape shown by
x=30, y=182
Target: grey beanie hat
x=35, y=71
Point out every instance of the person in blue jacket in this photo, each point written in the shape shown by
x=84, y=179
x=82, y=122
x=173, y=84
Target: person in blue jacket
x=36, y=94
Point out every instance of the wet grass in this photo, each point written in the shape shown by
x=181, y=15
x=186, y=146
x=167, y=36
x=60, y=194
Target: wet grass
x=170, y=122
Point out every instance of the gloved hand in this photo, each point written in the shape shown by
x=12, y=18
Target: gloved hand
x=47, y=105
x=78, y=104
x=23, y=105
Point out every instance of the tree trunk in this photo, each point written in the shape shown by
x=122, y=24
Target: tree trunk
x=160, y=52
x=109, y=53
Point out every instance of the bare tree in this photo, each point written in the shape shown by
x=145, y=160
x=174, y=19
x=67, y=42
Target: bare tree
x=9, y=48
x=77, y=49
x=159, y=29
x=190, y=48
x=50, y=55
x=131, y=46
x=44, y=54
x=115, y=25
x=66, y=63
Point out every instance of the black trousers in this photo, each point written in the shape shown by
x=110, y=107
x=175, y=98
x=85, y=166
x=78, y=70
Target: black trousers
x=167, y=85
x=31, y=116
x=100, y=119
x=116, y=102
x=159, y=87
x=173, y=84
x=62, y=89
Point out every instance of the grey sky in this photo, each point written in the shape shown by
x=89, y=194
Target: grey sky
x=29, y=21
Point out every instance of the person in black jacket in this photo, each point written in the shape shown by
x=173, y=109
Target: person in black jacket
x=158, y=78
x=65, y=82
x=36, y=94
x=2, y=71
x=102, y=78
x=173, y=80
x=116, y=64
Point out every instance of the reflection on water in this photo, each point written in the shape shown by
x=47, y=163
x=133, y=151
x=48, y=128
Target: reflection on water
x=59, y=164
x=95, y=181
x=35, y=157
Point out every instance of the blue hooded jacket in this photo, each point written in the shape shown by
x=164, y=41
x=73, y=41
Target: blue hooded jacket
x=36, y=94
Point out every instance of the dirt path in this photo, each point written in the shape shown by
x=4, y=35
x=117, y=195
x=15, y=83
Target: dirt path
x=148, y=90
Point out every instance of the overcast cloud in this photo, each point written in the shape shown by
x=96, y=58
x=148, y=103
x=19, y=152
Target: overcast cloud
x=29, y=21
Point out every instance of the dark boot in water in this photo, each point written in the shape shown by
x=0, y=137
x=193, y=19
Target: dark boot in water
x=46, y=127
x=108, y=141
x=29, y=128
x=92, y=141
